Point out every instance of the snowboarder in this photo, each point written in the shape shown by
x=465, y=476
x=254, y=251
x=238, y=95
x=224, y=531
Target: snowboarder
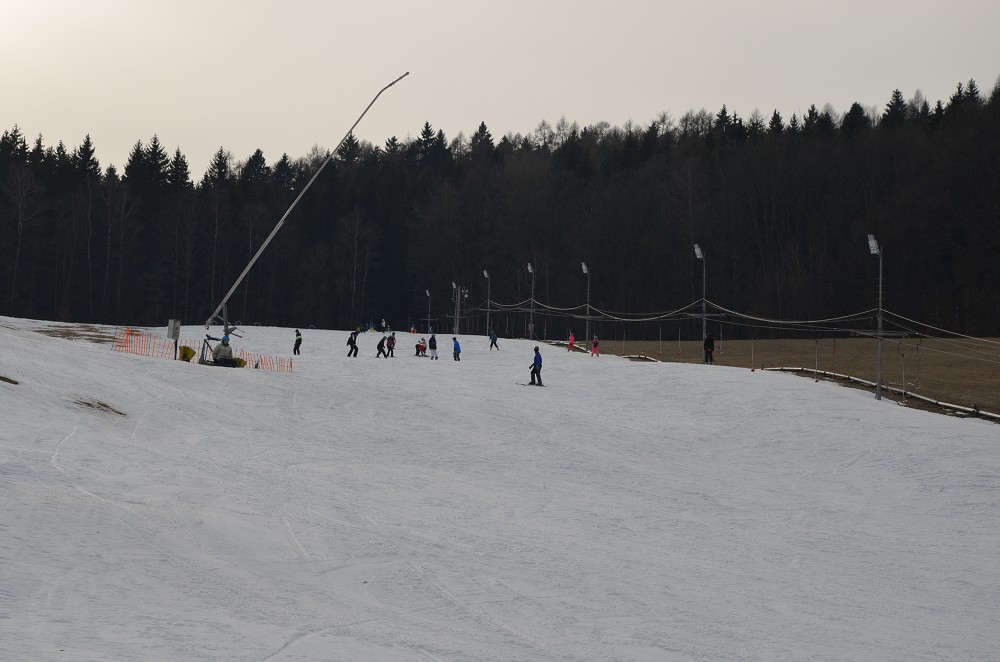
x=595, y=348
x=352, y=342
x=493, y=341
x=536, y=368
x=391, y=344
x=432, y=344
x=456, y=349
x=421, y=347
x=570, y=342
x=381, y=349
x=222, y=355
x=298, y=342
x=709, y=346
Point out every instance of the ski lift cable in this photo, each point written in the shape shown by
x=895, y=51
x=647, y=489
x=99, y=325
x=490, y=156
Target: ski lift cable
x=934, y=328
x=281, y=222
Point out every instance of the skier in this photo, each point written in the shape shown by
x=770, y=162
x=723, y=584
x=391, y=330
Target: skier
x=456, y=350
x=352, y=342
x=298, y=342
x=391, y=344
x=432, y=345
x=222, y=355
x=709, y=347
x=421, y=347
x=536, y=368
x=595, y=349
x=569, y=343
x=493, y=341
x=381, y=349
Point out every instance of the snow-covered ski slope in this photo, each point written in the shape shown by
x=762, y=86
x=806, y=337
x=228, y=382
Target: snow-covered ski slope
x=415, y=510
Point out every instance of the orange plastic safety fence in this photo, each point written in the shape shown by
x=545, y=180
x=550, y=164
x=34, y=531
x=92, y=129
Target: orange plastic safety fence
x=132, y=341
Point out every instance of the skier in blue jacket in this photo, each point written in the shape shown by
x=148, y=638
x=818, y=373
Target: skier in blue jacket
x=536, y=368
x=457, y=350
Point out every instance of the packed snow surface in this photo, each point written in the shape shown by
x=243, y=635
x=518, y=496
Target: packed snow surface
x=415, y=510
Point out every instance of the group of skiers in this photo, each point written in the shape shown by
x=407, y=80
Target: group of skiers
x=222, y=355
x=387, y=345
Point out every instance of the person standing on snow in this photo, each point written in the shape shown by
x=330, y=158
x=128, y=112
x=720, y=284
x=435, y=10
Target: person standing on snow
x=493, y=341
x=352, y=342
x=709, y=347
x=381, y=349
x=432, y=345
x=391, y=344
x=298, y=342
x=536, y=368
x=595, y=349
x=570, y=342
x=456, y=350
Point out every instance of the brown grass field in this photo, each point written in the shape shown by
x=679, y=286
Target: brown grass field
x=960, y=371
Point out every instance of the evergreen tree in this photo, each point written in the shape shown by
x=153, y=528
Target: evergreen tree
x=350, y=150
x=254, y=175
x=895, y=111
x=855, y=122
x=776, y=126
x=83, y=157
x=178, y=175
x=481, y=145
x=135, y=165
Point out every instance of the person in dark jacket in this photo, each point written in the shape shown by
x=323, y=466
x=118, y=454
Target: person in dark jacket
x=709, y=348
x=298, y=342
x=432, y=345
x=391, y=344
x=352, y=342
x=536, y=368
x=381, y=349
x=493, y=341
x=456, y=349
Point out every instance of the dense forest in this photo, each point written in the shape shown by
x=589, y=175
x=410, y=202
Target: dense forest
x=780, y=208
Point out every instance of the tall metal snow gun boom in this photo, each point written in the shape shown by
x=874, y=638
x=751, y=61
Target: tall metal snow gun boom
x=222, y=305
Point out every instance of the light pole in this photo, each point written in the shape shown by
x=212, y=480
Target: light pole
x=531, y=319
x=458, y=291
x=704, y=320
x=486, y=274
x=428, y=311
x=587, y=271
x=876, y=250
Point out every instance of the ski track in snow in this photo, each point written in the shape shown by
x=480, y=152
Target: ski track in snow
x=363, y=509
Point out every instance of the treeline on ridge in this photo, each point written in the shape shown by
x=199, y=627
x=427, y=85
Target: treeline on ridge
x=781, y=209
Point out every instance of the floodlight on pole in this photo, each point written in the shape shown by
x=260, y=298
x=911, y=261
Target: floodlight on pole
x=875, y=249
x=704, y=318
x=587, y=272
x=531, y=319
x=486, y=275
x=281, y=221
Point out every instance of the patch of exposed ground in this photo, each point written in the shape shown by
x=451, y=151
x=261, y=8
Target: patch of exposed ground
x=100, y=406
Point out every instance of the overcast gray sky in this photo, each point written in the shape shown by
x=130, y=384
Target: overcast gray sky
x=283, y=76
